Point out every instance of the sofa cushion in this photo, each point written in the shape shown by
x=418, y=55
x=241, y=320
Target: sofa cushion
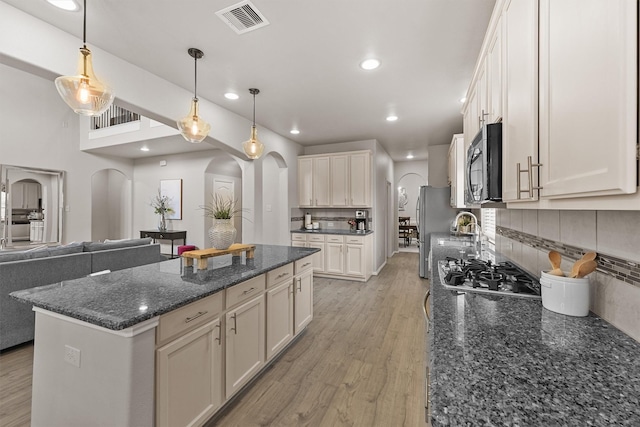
x=37, y=253
x=12, y=256
x=97, y=246
x=71, y=248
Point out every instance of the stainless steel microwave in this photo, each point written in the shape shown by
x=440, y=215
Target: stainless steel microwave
x=483, y=172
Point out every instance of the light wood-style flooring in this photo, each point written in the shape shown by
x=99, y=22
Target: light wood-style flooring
x=359, y=363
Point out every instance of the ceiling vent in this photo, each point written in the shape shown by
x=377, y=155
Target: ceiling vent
x=243, y=17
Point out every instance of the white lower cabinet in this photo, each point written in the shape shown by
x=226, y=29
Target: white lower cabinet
x=245, y=343
x=189, y=363
x=208, y=350
x=279, y=317
x=334, y=258
x=303, y=289
x=355, y=260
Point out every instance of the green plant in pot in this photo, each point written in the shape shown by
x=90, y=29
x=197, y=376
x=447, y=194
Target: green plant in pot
x=464, y=224
x=222, y=209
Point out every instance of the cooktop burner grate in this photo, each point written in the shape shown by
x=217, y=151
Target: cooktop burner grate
x=475, y=275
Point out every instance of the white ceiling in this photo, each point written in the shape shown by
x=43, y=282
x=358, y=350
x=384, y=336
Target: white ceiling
x=305, y=62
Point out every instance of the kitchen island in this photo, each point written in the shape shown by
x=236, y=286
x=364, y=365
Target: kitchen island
x=110, y=348
x=507, y=361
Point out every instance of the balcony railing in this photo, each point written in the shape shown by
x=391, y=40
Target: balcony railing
x=112, y=117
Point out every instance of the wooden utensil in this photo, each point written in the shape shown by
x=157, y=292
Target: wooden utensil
x=557, y=272
x=555, y=259
x=589, y=256
x=586, y=268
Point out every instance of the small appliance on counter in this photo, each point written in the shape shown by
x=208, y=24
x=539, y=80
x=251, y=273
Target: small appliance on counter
x=361, y=221
x=307, y=221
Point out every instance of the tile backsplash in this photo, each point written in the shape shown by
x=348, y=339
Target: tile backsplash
x=527, y=236
x=329, y=218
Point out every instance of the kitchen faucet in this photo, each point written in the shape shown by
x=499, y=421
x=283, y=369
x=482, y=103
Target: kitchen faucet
x=477, y=240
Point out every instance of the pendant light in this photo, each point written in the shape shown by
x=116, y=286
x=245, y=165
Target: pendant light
x=253, y=148
x=192, y=127
x=84, y=93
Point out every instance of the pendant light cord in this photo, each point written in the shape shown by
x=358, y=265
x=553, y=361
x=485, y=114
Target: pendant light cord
x=254, y=110
x=195, y=77
x=84, y=26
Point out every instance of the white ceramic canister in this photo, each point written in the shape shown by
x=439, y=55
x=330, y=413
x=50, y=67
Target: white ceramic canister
x=565, y=295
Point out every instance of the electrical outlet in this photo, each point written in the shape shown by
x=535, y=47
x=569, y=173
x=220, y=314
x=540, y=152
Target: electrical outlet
x=72, y=356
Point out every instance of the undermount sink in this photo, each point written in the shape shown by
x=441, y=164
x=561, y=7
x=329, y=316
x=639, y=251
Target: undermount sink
x=447, y=242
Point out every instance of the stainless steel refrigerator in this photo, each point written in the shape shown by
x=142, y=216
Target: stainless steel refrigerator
x=434, y=214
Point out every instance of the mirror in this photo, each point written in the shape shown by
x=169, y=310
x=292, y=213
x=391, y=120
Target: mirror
x=31, y=203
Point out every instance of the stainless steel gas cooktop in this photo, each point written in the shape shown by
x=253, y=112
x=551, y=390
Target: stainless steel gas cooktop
x=504, y=278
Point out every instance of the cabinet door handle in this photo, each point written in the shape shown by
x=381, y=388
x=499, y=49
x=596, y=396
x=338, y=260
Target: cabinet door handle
x=235, y=324
x=219, y=339
x=248, y=291
x=529, y=172
x=300, y=285
x=195, y=316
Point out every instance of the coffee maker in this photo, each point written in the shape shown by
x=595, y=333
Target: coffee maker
x=361, y=221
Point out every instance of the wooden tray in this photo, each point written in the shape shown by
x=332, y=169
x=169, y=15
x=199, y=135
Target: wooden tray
x=202, y=254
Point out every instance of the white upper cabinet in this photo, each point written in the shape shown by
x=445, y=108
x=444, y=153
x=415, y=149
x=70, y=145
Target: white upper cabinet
x=520, y=100
x=562, y=76
x=335, y=180
x=456, y=171
x=588, y=97
x=494, y=76
x=360, y=179
x=339, y=180
x=321, y=181
x=305, y=182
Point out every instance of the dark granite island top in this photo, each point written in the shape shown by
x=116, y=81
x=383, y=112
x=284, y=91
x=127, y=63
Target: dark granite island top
x=124, y=298
x=507, y=361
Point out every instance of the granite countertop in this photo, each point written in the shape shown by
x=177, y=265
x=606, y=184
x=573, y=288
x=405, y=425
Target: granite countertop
x=333, y=231
x=121, y=299
x=507, y=361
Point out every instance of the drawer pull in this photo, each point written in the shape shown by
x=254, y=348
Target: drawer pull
x=305, y=264
x=235, y=324
x=248, y=291
x=280, y=276
x=219, y=339
x=195, y=316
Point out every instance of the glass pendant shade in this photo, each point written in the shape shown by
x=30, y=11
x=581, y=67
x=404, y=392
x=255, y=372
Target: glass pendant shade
x=84, y=93
x=253, y=148
x=192, y=127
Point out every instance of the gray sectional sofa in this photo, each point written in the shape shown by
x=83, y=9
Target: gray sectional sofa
x=44, y=266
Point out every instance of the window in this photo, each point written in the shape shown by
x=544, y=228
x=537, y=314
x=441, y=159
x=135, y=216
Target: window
x=488, y=219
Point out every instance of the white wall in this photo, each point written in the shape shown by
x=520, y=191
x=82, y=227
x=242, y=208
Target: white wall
x=438, y=165
x=37, y=129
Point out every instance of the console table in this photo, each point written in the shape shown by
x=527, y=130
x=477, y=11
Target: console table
x=165, y=235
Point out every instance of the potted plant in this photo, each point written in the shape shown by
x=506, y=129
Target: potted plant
x=162, y=206
x=222, y=209
x=464, y=224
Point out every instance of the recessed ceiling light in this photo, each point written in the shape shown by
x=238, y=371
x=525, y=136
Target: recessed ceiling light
x=369, y=64
x=392, y=118
x=409, y=156
x=144, y=149
x=231, y=95
x=69, y=5
x=294, y=131
x=463, y=100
